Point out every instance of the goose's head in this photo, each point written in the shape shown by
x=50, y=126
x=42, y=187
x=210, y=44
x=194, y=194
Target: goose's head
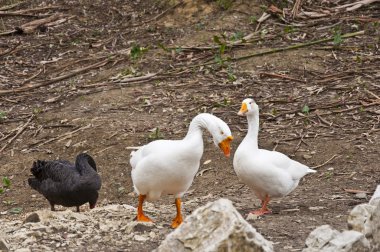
x=248, y=107
x=222, y=137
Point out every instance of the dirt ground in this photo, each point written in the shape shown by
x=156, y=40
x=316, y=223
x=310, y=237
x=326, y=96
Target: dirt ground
x=86, y=83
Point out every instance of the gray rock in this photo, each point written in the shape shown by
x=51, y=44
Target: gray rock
x=3, y=245
x=375, y=199
x=375, y=227
x=361, y=195
x=33, y=217
x=326, y=239
x=218, y=226
x=320, y=236
x=359, y=217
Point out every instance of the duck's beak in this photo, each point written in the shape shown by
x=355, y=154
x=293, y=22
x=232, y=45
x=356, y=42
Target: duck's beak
x=243, y=110
x=225, y=146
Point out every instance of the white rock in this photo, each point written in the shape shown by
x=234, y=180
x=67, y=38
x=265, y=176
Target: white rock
x=375, y=227
x=140, y=238
x=218, y=226
x=358, y=219
x=375, y=197
x=326, y=239
x=320, y=236
x=23, y=250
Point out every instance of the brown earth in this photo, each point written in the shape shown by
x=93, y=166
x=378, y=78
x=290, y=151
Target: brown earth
x=339, y=84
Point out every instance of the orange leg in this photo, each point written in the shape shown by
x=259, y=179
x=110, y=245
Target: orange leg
x=178, y=219
x=264, y=209
x=140, y=214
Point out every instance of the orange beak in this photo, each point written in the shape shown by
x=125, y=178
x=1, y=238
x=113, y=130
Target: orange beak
x=243, y=109
x=225, y=146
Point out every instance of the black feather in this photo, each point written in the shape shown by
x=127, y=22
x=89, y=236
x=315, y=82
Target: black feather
x=63, y=183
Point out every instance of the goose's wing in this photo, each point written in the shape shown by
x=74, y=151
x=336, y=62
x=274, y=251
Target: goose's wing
x=156, y=147
x=279, y=160
x=55, y=170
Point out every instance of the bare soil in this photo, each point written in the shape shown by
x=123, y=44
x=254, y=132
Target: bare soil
x=339, y=83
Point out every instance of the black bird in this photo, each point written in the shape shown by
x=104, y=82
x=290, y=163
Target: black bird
x=63, y=183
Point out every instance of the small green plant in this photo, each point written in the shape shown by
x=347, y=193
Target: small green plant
x=37, y=110
x=156, y=134
x=230, y=74
x=6, y=184
x=221, y=42
x=75, y=41
x=289, y=29
x=237, y=36
x=274, y=111
x=137, y=51
x=163, y=47
x=199, y=26
x=306, y=109
x=2, y=115
x=337, y=38
x=329, y=174
x=252, y=20
x=15, y=210
x=224, y=4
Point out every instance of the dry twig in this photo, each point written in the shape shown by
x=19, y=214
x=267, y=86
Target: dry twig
x=20, y=130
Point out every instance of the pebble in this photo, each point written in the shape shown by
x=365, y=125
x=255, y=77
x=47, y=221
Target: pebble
x=361, y=195
x=140, y=238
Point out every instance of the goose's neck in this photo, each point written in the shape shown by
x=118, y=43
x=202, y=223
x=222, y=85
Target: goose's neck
x=84, y=167
x=196, y=126
x=253, y=129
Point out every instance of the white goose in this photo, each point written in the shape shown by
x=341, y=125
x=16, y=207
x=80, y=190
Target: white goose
x=169, y=166
x=269, y=174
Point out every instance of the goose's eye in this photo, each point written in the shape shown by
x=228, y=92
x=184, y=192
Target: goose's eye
x=221, y=132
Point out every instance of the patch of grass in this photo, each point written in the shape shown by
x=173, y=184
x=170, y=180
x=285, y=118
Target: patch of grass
x=3, y=115
x=230, y=74
x=222, y=44
x=289, y=29
x=15, y=210
x=37, y=110
x=337, y=37
x=225, y=4
x=253, y=20
x=5, y=184
x=329, y=174
x=237, y=36
x=137, y=51
x=274, y=112
x=155, y=135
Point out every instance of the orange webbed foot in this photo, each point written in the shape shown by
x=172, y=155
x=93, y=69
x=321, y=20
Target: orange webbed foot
x=143, y=218
x=177, y=221
x=261, y=212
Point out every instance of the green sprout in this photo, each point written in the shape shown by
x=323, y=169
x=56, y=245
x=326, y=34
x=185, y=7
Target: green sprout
x=306, y=109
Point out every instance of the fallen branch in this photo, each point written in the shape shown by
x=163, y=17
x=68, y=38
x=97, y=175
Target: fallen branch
x=9, y=50
x=32, y=26
x=17, y=134
x=330, y=159
x=65, y=135
x=301, y=45
x=296, y=8
x=355, y=191
x=356, y=5
x=281, y=76
x=59, y=78
x=158, y=16
x=11, y=6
